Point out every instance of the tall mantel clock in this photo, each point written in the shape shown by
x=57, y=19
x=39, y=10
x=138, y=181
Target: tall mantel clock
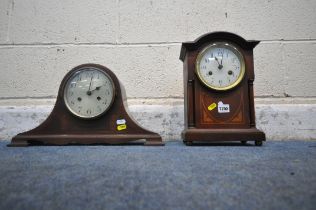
x=90, y=109
x=218, y=90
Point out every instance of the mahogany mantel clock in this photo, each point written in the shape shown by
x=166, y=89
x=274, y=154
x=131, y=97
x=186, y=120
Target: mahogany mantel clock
x=90, y=109
x=218, y=89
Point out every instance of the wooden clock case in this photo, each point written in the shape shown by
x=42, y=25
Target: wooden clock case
x=62, y=127
x=203, y=125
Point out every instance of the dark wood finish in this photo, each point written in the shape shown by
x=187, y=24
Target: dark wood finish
x=204, y=125
x=62, y=128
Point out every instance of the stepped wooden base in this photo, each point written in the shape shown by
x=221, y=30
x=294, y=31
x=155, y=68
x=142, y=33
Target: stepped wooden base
x=73, y=139
x=192, y=135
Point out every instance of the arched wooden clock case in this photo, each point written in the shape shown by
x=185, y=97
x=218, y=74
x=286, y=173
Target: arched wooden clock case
x=204, y=123
x=62, y=127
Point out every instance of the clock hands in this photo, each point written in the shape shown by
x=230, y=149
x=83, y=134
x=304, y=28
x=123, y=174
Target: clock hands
x=220, y=66
x=89, y=91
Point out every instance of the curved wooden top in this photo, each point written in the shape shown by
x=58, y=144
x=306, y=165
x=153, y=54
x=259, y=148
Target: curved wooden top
x=216, y=36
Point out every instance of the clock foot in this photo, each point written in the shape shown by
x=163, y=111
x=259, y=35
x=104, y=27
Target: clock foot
x=188, y=143
x=258, y=143
x=154, y=142
x=18, y=144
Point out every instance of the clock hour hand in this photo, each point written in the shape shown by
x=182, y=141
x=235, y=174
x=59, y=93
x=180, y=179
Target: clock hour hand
x=220, y=66
x=98, y=87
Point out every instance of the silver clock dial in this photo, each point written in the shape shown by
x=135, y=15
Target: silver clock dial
x=220, y=66
x=89, y=92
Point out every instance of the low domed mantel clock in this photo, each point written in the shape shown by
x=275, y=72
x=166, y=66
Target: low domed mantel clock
x=218, y=89
x=90, y=109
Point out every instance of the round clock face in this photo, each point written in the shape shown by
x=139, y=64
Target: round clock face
x=220, y=66
x=89, y=92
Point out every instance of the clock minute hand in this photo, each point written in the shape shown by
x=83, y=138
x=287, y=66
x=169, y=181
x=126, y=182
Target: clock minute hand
x=220, y=66
x=89, y=91
x=217, y=60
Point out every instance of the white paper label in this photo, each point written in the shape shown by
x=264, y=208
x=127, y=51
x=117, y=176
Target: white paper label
x=223, y=108
x=120, y=121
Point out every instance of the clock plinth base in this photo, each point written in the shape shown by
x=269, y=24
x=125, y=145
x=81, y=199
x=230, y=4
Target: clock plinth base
x=192, y=135
x=78, y=139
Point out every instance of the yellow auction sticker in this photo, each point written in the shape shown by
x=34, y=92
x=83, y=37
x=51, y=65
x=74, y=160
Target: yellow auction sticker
x=211, y=107
x=121, y=127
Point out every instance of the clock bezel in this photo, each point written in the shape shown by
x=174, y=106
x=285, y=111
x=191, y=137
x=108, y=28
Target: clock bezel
x=78, y=71
x=229, y=46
